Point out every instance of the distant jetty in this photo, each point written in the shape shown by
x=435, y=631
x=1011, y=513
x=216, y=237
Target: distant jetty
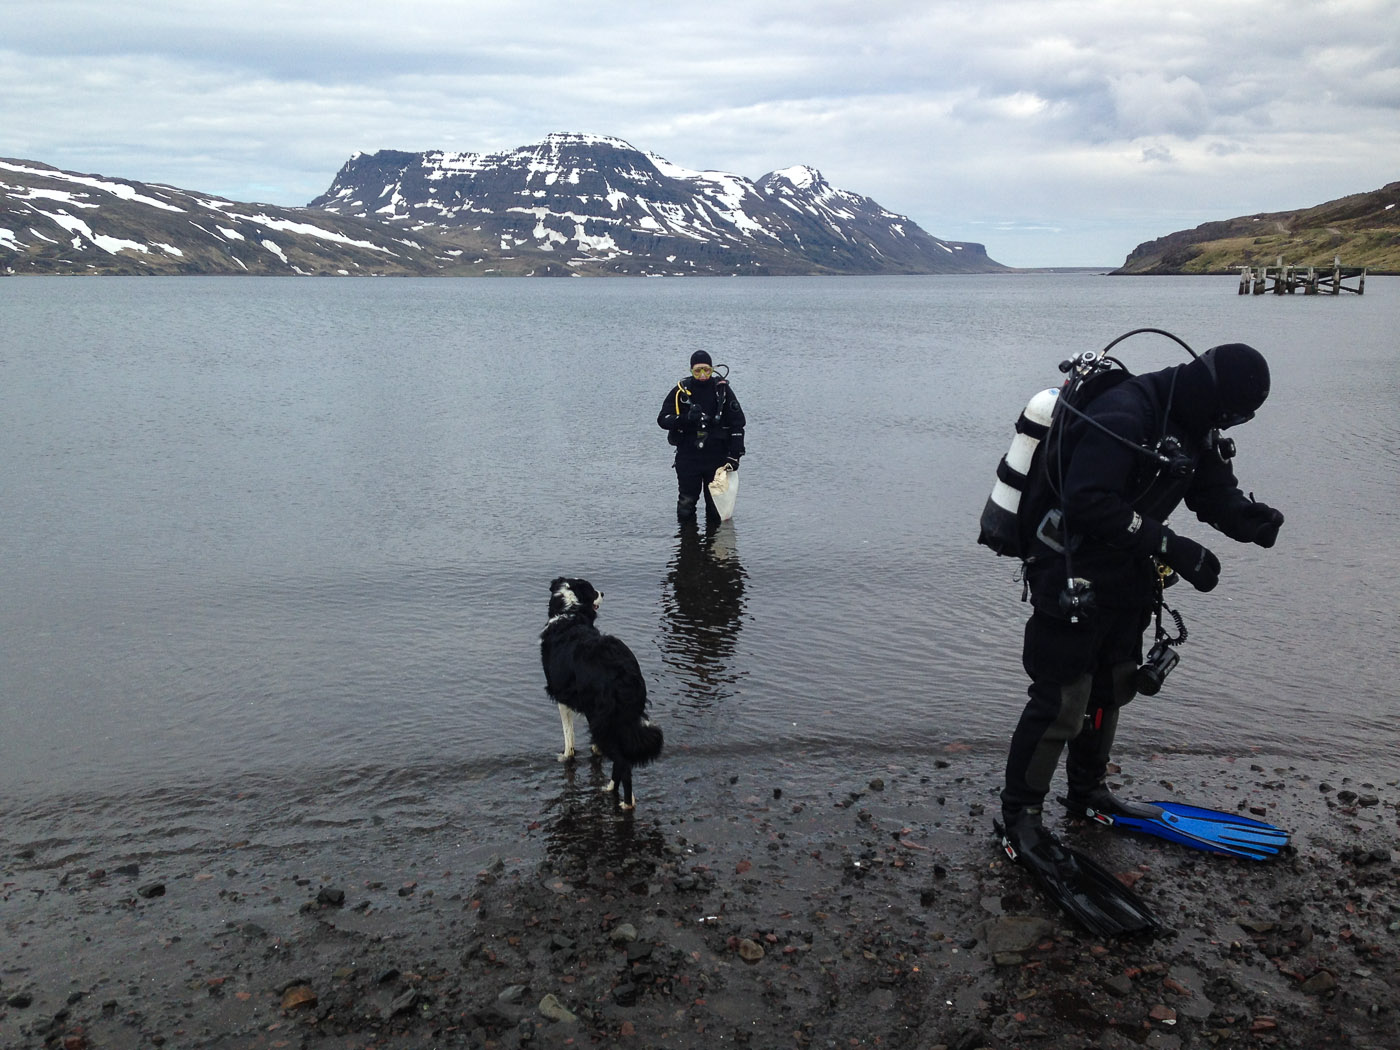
x=1310, y=280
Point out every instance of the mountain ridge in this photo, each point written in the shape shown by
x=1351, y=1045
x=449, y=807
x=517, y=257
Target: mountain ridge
x=572, y=204
x=597, y=203
x=1361, y=229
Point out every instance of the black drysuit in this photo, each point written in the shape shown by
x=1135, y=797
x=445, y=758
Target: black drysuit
x=705, y=423
x=1115, y=500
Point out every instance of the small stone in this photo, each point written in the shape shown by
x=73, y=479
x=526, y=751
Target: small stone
x=298, y=995
x=151, y=889
x=512, y=994
x=625, y=933
x=625, y=994
x=1162, y=1012
x=1320, y=983
x=552, y=1008
x=20, y=1001
x=400, y=1004
x=877, y=785
x=750, y=951
x=1016, y=933
x=1119, y=984
x=331, y=898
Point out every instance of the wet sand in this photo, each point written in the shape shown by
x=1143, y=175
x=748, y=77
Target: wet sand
x=744, y=907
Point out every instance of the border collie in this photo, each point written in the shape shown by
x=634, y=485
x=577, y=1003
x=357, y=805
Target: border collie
x=595, y=675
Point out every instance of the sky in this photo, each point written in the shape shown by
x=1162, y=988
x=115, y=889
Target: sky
x=1055, y=132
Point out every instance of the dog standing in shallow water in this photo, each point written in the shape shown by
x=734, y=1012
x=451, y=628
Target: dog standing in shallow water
x=596, y=675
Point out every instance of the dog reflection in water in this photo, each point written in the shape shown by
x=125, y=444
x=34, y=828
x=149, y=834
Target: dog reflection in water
x=593, y=674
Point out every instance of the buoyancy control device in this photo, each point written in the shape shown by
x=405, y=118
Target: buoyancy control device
x=1009, y=521
x=1024, y=501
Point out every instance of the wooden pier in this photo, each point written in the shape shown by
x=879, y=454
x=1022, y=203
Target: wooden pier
x=1310, y=280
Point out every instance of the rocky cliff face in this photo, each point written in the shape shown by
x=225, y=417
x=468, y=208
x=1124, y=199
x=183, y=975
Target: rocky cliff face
x=586, y=203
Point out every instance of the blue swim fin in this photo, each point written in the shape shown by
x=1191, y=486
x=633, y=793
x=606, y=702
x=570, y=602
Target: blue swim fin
x=1205, y=829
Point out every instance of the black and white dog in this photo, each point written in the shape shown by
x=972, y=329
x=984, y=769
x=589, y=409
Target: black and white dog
x=595, y=675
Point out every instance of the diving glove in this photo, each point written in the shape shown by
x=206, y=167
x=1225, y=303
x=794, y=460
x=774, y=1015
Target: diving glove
x=1193, y=563
x=1262, y=523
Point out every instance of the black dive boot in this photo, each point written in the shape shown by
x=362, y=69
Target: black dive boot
x=1087, y=892
x=1101, y=805
x=1022, y=832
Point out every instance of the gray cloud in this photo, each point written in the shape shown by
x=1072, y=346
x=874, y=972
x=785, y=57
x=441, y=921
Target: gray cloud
x=1055, y=131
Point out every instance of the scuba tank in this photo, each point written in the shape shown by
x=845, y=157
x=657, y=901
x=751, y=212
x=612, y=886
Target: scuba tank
x=999, y=517
x=1089, y=374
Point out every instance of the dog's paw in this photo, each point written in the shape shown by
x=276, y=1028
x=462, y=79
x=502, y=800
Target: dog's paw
x=627, y=807
x=609, y=787
x=595, y=752
x=565, y=756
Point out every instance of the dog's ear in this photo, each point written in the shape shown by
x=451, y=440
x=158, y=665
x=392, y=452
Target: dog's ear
x=557, y=582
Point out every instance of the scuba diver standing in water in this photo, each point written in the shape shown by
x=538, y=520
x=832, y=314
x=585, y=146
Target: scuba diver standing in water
x=705, y=424
x=1114, y=463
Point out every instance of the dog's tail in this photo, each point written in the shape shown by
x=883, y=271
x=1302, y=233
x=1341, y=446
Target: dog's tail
x=640, y=742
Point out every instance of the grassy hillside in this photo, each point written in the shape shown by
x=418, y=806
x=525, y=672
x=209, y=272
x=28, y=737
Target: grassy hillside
x=1363, y=229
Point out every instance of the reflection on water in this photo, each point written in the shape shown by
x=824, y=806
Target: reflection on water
x=703, y=603
x=589, y=838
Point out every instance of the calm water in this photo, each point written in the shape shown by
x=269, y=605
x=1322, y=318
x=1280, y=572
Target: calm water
x=259, y=530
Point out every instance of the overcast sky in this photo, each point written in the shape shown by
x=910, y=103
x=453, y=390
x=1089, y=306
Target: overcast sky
x=1055, y=132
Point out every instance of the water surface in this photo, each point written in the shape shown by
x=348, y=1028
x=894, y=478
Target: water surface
x=300, y=531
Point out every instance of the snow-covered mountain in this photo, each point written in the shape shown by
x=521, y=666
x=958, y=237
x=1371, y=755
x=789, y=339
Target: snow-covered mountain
x=597, y=204
x=572, y=204
x=54, y=221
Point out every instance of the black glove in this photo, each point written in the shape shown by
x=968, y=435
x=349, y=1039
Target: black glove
x=732, y=464
x=694, y=415
x=1193, y=563
x=1259, y=523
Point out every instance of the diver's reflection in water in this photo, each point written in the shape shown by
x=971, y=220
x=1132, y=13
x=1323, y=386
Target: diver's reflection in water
x=704, y=606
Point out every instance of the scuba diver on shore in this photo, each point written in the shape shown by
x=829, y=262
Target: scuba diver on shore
x=1118, y=453
x=705, y=424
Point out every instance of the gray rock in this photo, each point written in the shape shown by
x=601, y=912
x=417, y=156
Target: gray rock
x=625, y=933
x=552, y=1008
x=1320, y=983
x=1119, y=984
x=400, y=1004
x=512, y=994
x=1016, y=933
